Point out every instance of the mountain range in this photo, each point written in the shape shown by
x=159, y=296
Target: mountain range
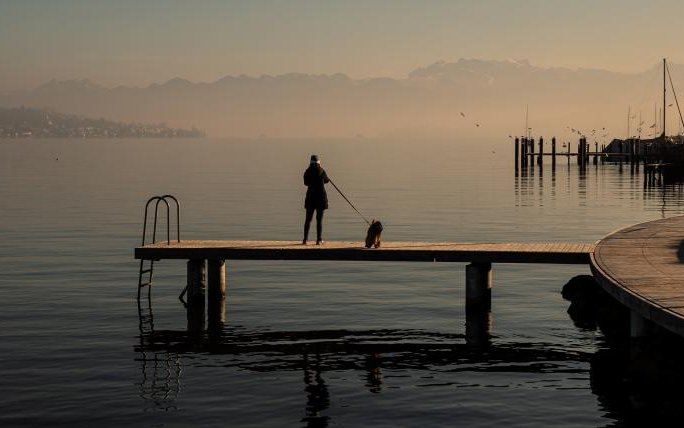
x=467, y=98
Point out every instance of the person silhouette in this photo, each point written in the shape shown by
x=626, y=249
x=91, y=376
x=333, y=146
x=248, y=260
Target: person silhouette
x=316, y=198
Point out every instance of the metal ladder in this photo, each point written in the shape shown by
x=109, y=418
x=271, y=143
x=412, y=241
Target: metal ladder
x=149, y=270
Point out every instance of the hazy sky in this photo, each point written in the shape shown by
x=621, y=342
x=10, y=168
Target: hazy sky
x=138, y=42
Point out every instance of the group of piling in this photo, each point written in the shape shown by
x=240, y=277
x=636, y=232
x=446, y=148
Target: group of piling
x=526, y=156
x=629, y=151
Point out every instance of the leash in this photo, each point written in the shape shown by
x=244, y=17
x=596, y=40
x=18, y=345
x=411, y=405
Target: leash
x=349, y=202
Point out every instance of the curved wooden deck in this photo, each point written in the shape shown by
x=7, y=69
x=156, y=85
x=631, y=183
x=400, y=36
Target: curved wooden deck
x=642, y=266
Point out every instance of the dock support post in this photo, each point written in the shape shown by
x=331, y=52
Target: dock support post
x=553, y=153
x=217, y=279
x=196, y=291
x=479, y=285
x=216, y=293
x=196, y=279
x=478, y=302
x=638, y=325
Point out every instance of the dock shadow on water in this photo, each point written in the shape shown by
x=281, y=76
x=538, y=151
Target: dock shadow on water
x=636, y=381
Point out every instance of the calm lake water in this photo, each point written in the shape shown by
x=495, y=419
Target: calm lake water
x=304, y=343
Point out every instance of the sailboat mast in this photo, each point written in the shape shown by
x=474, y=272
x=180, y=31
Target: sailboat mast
x=664, y=91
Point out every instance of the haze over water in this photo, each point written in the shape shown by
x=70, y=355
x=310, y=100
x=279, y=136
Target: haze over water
x=304, y=343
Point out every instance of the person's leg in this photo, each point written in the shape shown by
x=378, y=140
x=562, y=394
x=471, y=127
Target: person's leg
x=307, y=223
x=319, y=226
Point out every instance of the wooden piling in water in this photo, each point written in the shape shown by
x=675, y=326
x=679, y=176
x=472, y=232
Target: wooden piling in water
x=540, y=157
x=517, y=148
x=479, y=285
x=523, y=151
x=196, y=277
x=217, y=279
x=532, y=148
x=216, y=305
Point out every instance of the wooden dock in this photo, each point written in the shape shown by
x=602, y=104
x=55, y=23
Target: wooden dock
x=550, y=252
x=642, y=266
x=206, y=266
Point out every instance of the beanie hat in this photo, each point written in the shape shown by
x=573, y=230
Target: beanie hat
x=314, y=159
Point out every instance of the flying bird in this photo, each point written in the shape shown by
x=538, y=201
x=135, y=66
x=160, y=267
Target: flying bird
x=462, y=114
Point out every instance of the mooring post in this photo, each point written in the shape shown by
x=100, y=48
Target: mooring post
x=532, y=149
x=523, y=151
x=579, y=152
x=540, y=158
x=596, y=153
x=517, y=145
x=553, y=152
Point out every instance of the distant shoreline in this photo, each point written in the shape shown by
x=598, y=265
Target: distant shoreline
x=25, y=123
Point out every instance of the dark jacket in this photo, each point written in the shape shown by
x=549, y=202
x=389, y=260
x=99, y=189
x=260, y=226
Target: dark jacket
x=315, y=178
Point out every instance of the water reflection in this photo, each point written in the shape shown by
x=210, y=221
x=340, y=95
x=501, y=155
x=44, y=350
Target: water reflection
x=321, y=354
x=662, y=185
x=317, y=395
x=160, y=370
x=630, y=386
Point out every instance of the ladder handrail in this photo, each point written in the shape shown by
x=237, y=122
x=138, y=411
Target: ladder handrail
x=168, y=220
x=177, y=216
x=159, y=199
